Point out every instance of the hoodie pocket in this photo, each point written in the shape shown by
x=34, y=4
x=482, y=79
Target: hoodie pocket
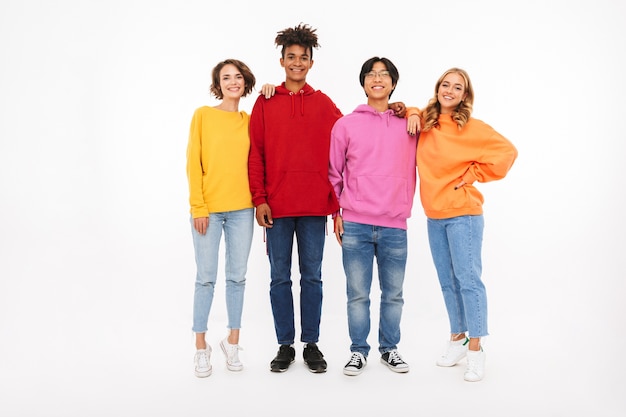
x=382, y=195
x=302, y=193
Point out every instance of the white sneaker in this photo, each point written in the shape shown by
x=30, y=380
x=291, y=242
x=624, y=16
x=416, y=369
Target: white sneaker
x=202, y=362
x=232, y=355
x=475, y=365
x=455, y=351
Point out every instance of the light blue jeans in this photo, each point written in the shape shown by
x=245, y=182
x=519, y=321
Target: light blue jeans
x=456, y=245
x=362, y=243
x=238, y=229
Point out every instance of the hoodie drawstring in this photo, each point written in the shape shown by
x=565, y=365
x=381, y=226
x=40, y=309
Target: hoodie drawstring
x=293, y=105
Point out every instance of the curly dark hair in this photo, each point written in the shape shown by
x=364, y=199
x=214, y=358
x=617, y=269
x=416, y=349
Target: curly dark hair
x=302, y=35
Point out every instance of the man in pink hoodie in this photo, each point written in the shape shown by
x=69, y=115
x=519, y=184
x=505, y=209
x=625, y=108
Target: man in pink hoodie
x=372, y=170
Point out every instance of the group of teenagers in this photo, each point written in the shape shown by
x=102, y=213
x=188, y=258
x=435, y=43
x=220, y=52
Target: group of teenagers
x=296, y=160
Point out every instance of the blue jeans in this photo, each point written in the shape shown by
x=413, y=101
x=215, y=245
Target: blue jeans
x=238, y=229
x=456, y=245
x=360, y=244
x=310, y=232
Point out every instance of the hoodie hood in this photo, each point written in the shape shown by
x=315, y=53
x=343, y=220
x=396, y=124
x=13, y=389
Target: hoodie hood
x=366, y=108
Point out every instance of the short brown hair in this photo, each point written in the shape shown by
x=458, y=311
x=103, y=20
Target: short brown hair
x=248, y=77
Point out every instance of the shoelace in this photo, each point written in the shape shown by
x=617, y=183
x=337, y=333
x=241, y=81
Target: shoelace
x=472, y=364
x=394, y=358
x=203, y=360
x=354, y=360
x=233, y=353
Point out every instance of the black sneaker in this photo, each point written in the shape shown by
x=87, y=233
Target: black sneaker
x=314, y=358
x=286, y=356
x=355, y=365
x=394, y=362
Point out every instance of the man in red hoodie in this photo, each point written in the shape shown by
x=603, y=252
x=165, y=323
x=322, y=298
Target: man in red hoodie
x=288, y=170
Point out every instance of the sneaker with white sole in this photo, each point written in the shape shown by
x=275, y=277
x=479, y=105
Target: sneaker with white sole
x=202, y=362
x=394, y=361
x=355, y=365
x=455, y=351
x=475, y=365
x=232, y=355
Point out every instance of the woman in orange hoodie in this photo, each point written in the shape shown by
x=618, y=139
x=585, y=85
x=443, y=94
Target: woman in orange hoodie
x=455, y=151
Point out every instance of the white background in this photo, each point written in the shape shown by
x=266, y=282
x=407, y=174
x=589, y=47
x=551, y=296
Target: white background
x=96, y=260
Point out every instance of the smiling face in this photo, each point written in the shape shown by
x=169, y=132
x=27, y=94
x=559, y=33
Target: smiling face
x=378, y=83
x=232, y=82
x=451, y=91
x=297, y=62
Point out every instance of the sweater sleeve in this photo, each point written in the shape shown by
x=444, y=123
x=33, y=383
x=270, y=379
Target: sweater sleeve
x=195, y=169
x=410, y=111
x=256, y=158
x=497, y=157
x=337, y=160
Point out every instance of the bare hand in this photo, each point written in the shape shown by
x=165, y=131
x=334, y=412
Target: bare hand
x=338, y=223
x=268, y=90
x=413, y=124
x=399, y=108
x=264, y=215
x=201, y=224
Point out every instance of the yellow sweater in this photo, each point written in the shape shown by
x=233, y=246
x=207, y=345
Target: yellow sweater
x=217, y=162
x=447, y=155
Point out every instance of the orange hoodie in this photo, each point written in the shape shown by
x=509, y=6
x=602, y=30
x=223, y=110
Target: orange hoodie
x=446, y=156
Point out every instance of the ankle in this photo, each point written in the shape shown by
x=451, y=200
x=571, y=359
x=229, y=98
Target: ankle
x=474, y=344
x=200, y=341
x=455, y=337
x=233, y=337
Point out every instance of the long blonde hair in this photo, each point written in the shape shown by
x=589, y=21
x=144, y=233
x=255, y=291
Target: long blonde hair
x=430, y=114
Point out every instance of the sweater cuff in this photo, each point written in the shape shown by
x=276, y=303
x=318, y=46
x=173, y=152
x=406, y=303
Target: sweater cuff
x=412, y=111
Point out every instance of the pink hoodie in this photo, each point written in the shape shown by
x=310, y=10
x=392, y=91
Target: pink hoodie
x=372, y=167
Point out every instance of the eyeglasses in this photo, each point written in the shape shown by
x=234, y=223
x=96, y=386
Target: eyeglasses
x=381, y=74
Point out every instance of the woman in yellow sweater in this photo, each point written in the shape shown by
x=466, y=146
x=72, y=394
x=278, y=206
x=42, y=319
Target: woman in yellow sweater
x=455, y=151
x=220, y=200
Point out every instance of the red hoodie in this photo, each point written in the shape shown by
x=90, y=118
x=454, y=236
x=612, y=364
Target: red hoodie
x=289, y=149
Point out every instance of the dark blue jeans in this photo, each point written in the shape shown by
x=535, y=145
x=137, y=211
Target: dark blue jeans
x=310, y=233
